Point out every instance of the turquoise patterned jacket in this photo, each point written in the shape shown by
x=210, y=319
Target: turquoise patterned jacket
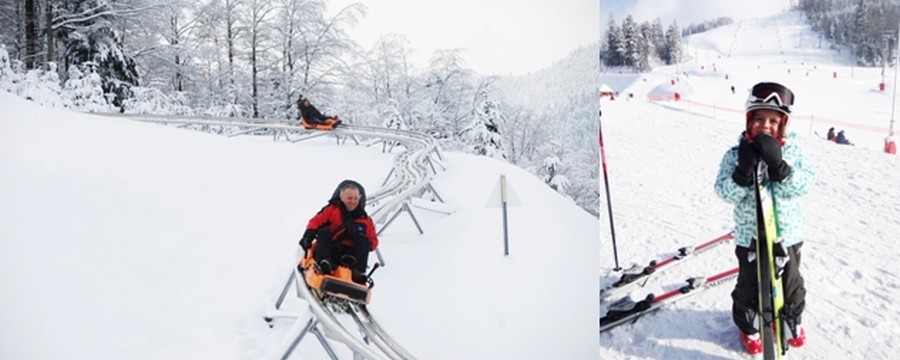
x=788, y=213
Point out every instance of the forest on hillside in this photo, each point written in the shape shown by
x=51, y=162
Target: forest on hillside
x=256, y=58
x=867, y=28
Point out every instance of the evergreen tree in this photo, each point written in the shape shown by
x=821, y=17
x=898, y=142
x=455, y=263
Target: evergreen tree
x=615, y=47
x=84, y=88
x=658, y=39
x=554, y=178
x=645, y=47
x=9, y=79
x=484, y=134
x=42, y=86
x=632, y=41
x=673, y=48
x=90, y=36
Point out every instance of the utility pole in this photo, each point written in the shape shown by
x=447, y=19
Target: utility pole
x=894, y=98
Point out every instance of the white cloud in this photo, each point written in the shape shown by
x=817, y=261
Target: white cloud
x=694, y=11
x=499, y=36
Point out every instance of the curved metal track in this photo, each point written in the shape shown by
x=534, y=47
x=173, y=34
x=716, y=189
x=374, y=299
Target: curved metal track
x=413, y=169
x=326, y=311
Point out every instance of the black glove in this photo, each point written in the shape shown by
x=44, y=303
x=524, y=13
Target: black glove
x=770, y=151
x=748, y=157
x=355, y=231
x=306, y=240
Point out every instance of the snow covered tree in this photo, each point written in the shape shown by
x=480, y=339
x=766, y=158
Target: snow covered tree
x=258, y=34
x=148, y=100
x=9, y=78
x=83, y=89
x=388, y=69
x=484, y=133
x=88, y=30
x=645, y=47
x=448, y=89
x=391, y=116
x=632, y=41
x=658, y=37
x=42, y=86
x=673, y=46
x=553, y=177
x=322, y=43
x=221, y=86
x=615, y=45
x=523, y=133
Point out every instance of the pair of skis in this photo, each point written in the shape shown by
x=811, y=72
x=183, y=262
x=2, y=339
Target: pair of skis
x=625, y=309
x=771, y=291
x=638, y=275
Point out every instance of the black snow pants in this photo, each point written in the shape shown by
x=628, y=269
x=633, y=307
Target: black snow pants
x=746, y=292
x=333, y=250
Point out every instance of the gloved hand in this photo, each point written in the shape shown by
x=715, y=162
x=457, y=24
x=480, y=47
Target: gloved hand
x=748, y=157
x=355, y=231
x=770, y=151
x=306, y=240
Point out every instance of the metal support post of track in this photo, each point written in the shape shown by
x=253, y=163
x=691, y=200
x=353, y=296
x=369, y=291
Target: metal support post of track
x=431, y=162
x=354, y=138
x=250, y=130
x=277, y=135
x=284, y=291
x=404, y=207
x=309, y=136
x=387, y=146
x=435, y=195
x=438, y=152
x=388, y=177
x=311, y=327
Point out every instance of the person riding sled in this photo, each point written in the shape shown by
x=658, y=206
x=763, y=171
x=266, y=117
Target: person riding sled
x=311, y=118
x=344, y=232
x=789, y=176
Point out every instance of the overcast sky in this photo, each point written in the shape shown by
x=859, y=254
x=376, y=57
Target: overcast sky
x=688, y=12
x=499, y=36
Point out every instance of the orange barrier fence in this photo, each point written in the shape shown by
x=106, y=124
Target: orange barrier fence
x=813, y=119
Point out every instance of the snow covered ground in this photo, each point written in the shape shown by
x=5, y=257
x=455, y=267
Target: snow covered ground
x=121, y=239
x=129, y=240
x=663, y=158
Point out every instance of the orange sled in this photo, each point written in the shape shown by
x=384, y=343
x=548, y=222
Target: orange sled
x=339, y=283
x=329, y=124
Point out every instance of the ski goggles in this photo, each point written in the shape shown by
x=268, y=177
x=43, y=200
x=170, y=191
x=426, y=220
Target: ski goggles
x=771, y=94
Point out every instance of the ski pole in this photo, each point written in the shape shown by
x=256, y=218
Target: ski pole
x=612, y=227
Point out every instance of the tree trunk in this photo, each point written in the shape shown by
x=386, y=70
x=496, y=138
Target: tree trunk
x=30, y=34
x=254, y=70
x=50, y=33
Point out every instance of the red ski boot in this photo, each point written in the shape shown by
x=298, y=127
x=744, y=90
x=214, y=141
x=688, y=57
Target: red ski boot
x=800, y=339
x=752, y=343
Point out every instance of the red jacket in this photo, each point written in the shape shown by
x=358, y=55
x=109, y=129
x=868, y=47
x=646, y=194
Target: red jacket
x=332, y=216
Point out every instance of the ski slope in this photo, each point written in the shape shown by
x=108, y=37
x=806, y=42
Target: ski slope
x=663, y=158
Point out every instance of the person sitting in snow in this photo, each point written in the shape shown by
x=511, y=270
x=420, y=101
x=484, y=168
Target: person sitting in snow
x=344, y=233
x=831, y=134
x=842, y=139
x=312, y=117
x=789, y=176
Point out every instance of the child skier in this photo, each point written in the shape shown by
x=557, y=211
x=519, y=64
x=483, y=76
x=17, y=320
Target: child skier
x=768, y=110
